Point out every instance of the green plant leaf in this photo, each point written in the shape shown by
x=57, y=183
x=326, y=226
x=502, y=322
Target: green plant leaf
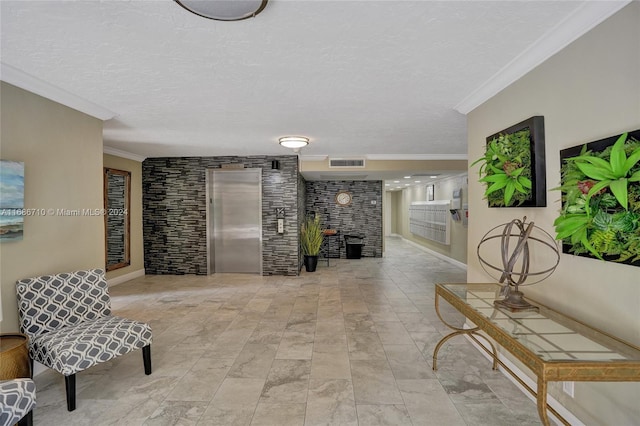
x=585, y=242
x=594, y=190
x=578, y=235
x=617, y=157
x=508, y=192
x=635, y=177
x=519, y=187
x=607, y=201
x=525, y=181
x=496, y=170
x=496, y=186
x=596, y=161
x=517, y=172
x=595, y=172
x=602, y=220
x=632, y=160
x=569, y=224
x=619, y=189
x=477, y=161
x=494, y=178
x=625, y=221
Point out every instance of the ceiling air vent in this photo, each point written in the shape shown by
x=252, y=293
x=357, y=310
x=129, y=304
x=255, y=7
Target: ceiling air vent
x=346, y=162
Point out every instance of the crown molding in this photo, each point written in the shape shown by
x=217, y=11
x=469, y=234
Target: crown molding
x=582, y=20
x=123, y=154
x=21, y=79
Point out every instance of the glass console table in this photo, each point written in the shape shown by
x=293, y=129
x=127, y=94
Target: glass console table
x=553, y=346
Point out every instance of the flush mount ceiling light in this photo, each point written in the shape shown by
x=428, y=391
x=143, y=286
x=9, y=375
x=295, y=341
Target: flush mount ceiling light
x=294, y=142
x=224, y=10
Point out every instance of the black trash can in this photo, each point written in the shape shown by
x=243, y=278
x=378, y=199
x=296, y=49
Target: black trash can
x=354, y=245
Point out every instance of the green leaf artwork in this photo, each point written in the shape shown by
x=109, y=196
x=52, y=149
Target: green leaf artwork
x=600, y=187
x=506, y=169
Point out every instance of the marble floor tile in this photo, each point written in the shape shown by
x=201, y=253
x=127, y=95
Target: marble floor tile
x=466, y=388
x=416, y=322
x=254, y=361
x=383, y=415
x=373, y=383
x=393, y=333
x=268, y=332
x=493, y=413
x=302, y=322
x=407, y=362
x=428, y=403
x=287, y=382
x=330, y=402
x=295, y=345
x=202, y=381
x=359, y=323
x=227, y=416
x=331, y=365
x=365, y=346
x=177, y=412
x=271, y=414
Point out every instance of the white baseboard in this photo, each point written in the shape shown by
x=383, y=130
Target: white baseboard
x=126, y=277
x=568, y=415
x=435, y=253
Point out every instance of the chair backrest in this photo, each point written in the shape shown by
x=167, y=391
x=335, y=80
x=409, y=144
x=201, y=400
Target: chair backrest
x=51, y=302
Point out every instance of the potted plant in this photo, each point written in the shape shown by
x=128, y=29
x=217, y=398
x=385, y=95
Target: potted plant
x=310, y=241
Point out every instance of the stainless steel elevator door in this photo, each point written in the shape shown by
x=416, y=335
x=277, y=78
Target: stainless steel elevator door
x=236, y=212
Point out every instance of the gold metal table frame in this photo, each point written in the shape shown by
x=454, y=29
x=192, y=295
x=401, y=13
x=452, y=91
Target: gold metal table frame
x=553, y=346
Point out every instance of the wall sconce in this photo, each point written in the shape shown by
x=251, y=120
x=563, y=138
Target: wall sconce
x=294, y=142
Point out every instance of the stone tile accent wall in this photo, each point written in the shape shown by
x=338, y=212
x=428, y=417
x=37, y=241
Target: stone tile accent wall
x=174, y=213
x=302, y=197
x=359, y=218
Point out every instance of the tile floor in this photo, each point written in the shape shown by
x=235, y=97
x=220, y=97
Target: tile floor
x=350, y=344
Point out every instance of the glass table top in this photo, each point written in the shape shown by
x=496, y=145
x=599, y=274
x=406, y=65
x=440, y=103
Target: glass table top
x=549, y=334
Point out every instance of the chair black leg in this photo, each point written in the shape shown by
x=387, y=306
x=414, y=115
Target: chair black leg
x=27, y=420
x=70, y=382
x=146, y=357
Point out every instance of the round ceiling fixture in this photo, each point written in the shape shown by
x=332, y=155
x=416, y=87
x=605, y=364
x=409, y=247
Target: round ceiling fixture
x=294, y=142
x=224, y=10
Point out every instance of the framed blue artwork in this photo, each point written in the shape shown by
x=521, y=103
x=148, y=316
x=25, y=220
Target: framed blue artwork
x=11, y=200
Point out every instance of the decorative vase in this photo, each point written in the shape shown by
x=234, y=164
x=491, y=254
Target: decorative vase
x=310, y=263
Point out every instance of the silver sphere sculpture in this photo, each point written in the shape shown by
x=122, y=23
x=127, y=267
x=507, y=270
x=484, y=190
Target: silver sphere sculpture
x=515, y=239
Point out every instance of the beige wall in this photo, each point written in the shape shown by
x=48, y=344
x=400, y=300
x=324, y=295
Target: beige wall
x=432, y=166
x=588, y=91
x=444, y=188
x=396, y=212
x=62, y=153
x=135, y=212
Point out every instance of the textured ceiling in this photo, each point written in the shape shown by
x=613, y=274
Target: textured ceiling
x=356, y=77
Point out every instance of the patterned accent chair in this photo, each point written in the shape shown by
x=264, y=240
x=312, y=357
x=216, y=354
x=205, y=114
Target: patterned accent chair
x=70, y=327
x=17, y=399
